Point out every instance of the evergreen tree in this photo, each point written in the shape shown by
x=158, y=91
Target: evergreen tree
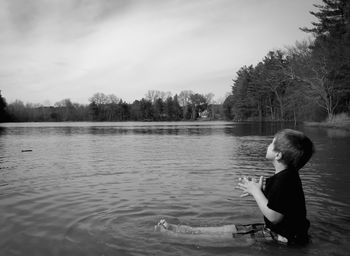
x=228, y=107
x=243, y=105
x=3, y=112
x=146, y=109
x=158, y=109
x=136, y=111
x=177, y=111
x=332, y=48
x=93, y=111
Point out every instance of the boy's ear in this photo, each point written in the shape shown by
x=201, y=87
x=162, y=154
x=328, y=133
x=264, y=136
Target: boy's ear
x=278, y=156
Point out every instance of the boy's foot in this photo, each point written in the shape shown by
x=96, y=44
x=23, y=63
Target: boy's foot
x=161, y=226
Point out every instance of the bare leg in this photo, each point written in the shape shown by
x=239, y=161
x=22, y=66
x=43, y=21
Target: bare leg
x=164, y=226
x=205, y=236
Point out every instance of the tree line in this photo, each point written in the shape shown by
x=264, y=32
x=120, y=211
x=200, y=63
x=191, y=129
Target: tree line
x=307, y=81
x=155, y=106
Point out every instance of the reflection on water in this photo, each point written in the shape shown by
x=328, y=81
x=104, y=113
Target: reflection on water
x=98, y=188
x=338, y=133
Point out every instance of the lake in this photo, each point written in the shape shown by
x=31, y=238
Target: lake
x=99, y=188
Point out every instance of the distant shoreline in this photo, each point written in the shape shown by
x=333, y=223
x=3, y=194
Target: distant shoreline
x=345, y=125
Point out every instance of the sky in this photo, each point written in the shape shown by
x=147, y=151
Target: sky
x=57, y=49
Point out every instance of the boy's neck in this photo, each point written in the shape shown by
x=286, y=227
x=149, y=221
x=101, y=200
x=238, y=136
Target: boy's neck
x=279, y=166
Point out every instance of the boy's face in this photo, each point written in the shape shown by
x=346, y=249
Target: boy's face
x=270, y=152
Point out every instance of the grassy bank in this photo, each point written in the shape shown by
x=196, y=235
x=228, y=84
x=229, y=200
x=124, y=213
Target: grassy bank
x=341, y=121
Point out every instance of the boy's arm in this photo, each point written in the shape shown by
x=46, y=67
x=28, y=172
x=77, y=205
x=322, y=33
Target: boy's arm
x=261, y=200
x=254, y=188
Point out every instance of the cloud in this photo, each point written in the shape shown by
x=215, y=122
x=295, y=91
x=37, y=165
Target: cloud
x=56, y=17
x=54, y=49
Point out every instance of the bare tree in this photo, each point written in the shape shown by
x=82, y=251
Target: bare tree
x=312, y=69
x=99, y=99
x=184, y=101
x=153, y=95
x=184, y=97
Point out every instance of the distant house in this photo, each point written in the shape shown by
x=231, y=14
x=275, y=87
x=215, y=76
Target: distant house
x=204, y=114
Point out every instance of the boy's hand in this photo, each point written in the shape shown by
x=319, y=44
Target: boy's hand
x=249, y=186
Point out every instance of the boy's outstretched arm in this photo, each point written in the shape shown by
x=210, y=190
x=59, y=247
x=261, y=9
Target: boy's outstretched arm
x=255, y=189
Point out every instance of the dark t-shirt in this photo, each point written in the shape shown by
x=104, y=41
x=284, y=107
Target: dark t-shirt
x=285, y=195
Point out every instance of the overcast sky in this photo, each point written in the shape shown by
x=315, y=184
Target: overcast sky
x=56, y=49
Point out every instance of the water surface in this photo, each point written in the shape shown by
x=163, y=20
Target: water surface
x=99, y=188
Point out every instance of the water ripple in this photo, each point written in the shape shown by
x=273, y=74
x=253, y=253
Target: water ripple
x=93, y=189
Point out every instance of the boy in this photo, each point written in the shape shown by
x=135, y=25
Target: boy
x=282, y=202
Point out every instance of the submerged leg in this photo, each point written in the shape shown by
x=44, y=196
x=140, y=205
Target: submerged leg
x=205, y=236
x=226, y=230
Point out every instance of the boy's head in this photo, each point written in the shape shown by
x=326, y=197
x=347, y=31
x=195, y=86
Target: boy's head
x=294, y=146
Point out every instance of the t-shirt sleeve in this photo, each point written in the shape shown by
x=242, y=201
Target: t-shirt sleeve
x=279, y=198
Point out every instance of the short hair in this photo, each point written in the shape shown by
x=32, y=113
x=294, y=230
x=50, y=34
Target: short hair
x=295, y=146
